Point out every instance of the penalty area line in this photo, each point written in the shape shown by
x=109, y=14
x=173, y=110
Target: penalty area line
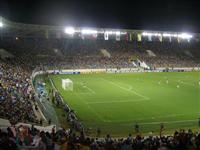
x=129, y=90
x=92, y=91
x=91, y=109
x=89, y=89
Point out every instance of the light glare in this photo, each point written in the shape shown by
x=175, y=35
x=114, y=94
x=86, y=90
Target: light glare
x=69, y=30
x=117, y=32
x=1, y=24
x=170, y=35
x=185, y=36
x=108, y=32
x=88, y=31
x=182, y=35
x=150, y=34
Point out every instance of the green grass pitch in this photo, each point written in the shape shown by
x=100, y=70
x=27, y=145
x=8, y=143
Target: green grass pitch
x=116, y=102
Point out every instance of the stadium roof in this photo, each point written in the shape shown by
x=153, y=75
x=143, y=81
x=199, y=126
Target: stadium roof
x=15, y=29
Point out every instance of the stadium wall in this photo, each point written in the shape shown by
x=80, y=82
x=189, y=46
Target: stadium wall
x=113, y=70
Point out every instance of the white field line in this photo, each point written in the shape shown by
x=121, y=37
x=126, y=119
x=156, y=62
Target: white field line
x=120, y=101
x=99, y=116
x=169, y=122
x=90, y=108
x=129, y=90
x=92, y=91
x=89, y=89
x=157, y=117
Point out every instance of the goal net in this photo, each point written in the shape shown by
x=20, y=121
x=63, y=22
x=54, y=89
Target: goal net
x=67, y=84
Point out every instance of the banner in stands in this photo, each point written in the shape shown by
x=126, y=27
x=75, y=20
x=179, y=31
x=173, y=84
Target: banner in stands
x=106, y=36
x=186, y=69
x=66, y=72
x=117, y=37
x=160, y=38
x=130, y=37
x=139, y=37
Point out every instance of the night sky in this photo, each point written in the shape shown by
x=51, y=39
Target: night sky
x=171, y=15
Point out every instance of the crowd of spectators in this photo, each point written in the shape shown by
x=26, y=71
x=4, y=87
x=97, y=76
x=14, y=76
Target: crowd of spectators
x=16, y=93
x=79, y=53
x=23, y=137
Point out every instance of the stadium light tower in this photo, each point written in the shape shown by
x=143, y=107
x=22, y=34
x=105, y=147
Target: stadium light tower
x=69, y=30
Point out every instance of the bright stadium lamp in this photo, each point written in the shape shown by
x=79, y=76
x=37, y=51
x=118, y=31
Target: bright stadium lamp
x=157, y=34
x=174, y=35
x=151, y=34
x=108, y=32
x=185, y=36
x=88, y=31
x=118, y=33
x=169, y=35
x=69, y=30
x=166, y=35
x=1, y=24
x=123, y=32
x=146, y=34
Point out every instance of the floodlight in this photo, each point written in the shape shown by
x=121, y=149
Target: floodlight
x=123, y=33
x=117, y=32
x=185, y=36
x=169, y=35
x=108, y=32
x=144, y=33
x=174, y=35
x=157, y=34
x=150, y=34
x=88, y=31
x=69, y=30
x=1, y=24
x=166, y=35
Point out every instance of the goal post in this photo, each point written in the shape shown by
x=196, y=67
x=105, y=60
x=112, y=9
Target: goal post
x=67, y=84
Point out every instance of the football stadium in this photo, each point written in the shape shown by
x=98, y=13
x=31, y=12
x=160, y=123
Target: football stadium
x=90, y=88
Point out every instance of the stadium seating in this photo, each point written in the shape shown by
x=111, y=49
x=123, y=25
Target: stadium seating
x=24, y=137
x=69, y=53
